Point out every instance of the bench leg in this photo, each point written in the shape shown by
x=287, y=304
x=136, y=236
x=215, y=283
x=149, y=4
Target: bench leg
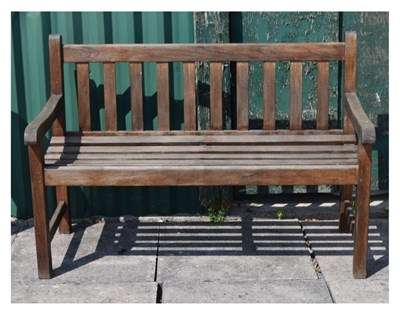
x=362, y=213
x=43, y=246
x=65, y=224
x=346, y=192
x=42, y=236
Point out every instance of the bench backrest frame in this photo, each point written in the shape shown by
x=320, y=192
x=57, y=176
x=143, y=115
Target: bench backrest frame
x=216, y=55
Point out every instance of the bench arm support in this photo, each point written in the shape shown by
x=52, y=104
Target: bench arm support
x=364, y=127
x=36, y=130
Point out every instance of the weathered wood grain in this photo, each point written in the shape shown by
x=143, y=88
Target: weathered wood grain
x=296, y=95
x=58, y=127
x=204, y=140
x=269, y=69
x=204, y=52
x=82, y=75
x=346, y=193
x=216, y=96
x=198, y=162
x=204, y=149
x=242, y=95
x=200, y=175
x=163, y=96
x=203, y=133
x=56, y=219
x=180, y=156
x=39, y=202
x=36, y=130
x=323, y=96
x=65, y=223
x=57, y=80
x=360, y=122
x=189, y=98
x=110, y=97
x=362, y=213
x=136, y=95
x=350, y=74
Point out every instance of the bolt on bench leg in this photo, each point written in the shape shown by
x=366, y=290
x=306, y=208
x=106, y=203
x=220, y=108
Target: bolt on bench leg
x=362, y=213
x=43, y=247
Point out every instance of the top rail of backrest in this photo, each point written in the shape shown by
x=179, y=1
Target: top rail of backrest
x=327, y=51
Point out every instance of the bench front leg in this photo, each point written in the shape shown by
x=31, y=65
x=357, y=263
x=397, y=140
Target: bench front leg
x=42, y=236
x=362, y=211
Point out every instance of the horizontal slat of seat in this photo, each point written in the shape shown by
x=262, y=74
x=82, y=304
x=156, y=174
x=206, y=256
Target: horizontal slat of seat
x=198, y=162
x=204, y=52
x=199, y=175
x=200, y=140
x=204, y=149
x=225, y=156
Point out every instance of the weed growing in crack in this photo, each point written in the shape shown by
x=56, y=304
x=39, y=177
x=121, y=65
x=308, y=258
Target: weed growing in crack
x=279, y=214
x=217, y=215
x=354, y=205
x=385, y=213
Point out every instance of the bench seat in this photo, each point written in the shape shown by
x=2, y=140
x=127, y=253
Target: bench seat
x=201, y=158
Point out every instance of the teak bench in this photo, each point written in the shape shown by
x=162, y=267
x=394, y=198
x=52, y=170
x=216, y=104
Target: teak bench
x=191, y=157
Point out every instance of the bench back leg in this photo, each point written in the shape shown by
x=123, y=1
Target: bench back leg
x=42, y=237
x=346, y=193
x=362, y=213
x=65, y=223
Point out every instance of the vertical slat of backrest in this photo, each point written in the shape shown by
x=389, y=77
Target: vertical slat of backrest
x=323, y=96
x=189, y=96
x=242, y=95
x=216, y=96
x=163, y=96
x=136, y=95
x=269, y=70
x=349, y=74
x=296, y=93
x=110, y=97
x=56, y=79
x=82, y=75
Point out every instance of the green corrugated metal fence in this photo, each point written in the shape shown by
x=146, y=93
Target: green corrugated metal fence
x=30, y=86
x=30, y=90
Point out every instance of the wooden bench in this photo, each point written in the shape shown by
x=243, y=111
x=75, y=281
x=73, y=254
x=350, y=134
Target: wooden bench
x=192, y=157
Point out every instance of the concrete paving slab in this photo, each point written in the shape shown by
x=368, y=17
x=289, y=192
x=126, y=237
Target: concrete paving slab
x=249, y=268
x=334, y=250
x=334, y=253
x=359, y=291
x=89, y=252
x=253, y=250
x=94, y=256
x=116, y=269
x=87, y=293
x=272, y=291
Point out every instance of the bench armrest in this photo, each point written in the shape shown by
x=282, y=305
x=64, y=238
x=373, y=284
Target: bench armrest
x=36, y=130
x=364, y=127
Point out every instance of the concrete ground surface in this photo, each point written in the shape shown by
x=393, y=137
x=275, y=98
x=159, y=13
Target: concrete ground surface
x=252, y=257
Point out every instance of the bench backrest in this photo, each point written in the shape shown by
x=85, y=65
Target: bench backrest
x=216, y=55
